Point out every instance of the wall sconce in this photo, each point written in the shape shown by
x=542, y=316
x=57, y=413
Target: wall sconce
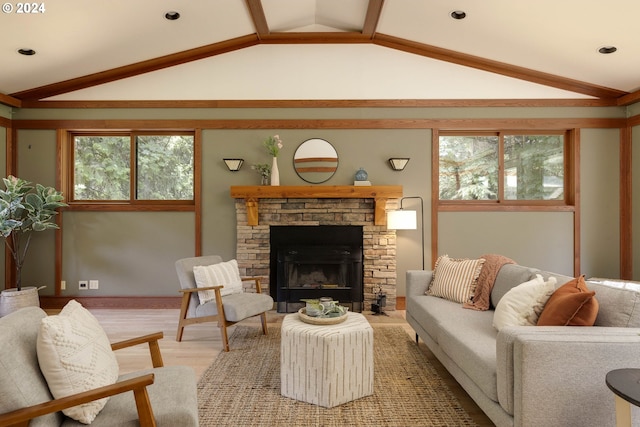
x=234, y=165
x=398, y=163
x=406, y=220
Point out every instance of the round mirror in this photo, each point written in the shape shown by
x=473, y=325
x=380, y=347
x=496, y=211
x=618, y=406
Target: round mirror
x=315, y=160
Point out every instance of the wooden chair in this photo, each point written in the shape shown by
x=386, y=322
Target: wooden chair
x=26, y=396
x=226, y=310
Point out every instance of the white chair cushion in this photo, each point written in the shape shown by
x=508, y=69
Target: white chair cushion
x=222, y=273
x=75, y=355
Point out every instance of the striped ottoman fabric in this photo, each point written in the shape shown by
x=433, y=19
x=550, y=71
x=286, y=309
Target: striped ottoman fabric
x=326, y=365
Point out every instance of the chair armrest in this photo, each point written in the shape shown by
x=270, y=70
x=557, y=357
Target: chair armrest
x=256, y=280
x=208, y=288
x=154, y=348
x=138, y=385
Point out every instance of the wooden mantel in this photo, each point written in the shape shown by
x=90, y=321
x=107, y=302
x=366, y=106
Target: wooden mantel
x=380, y=194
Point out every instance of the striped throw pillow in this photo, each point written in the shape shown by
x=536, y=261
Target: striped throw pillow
x=455, y=279
x=223, y=273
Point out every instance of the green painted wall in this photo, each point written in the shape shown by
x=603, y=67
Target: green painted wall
x=133, y=253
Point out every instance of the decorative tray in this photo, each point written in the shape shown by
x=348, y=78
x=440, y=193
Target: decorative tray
x=302, y=313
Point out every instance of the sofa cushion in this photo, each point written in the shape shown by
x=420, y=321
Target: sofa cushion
x=455, y=279
x=21, y=382
x=619, y=302
x=510, y=275
x=522, y=305
x=430, y=311
x=572, y=304
x=75, y=355
x=469, y=339
x=224, y=274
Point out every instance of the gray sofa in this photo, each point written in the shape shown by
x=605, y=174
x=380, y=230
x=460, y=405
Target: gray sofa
x=531, y=375
x=171, y=390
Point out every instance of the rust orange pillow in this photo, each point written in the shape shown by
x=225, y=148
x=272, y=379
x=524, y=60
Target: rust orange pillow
x=572, y=304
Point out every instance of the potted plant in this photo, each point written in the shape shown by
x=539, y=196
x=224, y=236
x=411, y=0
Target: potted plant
x=24, y=209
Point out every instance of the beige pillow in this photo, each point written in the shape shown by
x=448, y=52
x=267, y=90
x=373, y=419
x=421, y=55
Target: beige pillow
x=75, y=355
x=455, y=279
x=522, y=305
x=222, y=273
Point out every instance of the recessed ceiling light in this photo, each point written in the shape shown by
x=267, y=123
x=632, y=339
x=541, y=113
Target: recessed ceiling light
x=607, y=49
x=458, y=14
x=172, y=16
x=26, y=52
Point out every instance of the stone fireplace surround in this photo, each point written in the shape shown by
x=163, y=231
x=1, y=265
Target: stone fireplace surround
x=332, y=205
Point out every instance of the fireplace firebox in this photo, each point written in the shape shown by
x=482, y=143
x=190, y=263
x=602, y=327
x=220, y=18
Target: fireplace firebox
x=312, y=262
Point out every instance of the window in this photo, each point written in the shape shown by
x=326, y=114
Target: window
x=502, y=167
x=132, y=167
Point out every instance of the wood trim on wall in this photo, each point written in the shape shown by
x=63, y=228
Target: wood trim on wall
x=443, y=124
x=329, y=103
x=435, y=199
x=197, y=190
x=126, y=302
x=575, y=137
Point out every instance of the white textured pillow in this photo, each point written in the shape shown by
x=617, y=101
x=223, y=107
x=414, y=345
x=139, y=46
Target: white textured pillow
x=522, y=305
x=75, y=355
x=223, y=273
x=455, y=279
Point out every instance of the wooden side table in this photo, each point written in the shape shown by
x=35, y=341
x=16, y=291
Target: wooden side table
x=625, y=383
x=326, y=365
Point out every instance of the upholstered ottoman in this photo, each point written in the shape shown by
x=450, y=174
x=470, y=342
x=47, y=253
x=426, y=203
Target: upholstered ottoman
x=326, y=365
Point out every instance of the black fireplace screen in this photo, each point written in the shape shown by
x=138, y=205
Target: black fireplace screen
x=317, y=268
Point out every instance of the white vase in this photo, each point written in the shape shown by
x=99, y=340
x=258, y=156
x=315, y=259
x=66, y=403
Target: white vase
x=275, y=174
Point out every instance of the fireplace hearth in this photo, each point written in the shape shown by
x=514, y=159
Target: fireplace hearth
x=315, y=262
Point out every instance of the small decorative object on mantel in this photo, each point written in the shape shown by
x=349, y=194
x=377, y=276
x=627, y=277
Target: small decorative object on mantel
x=264, y=170
x=273, y=145
x=323, y=311
x=361, y=178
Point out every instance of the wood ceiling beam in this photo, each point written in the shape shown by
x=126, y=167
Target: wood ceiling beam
x=373, y=16
x=347, y=37
x=138, y=68
x=629, y=99
x=10, y=101
x=258, y=17
x=496, y=67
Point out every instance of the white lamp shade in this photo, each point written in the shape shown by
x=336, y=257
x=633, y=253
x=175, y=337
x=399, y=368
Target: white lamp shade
x=402, y=220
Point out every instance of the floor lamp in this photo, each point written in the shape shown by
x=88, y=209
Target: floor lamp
x=406, y=220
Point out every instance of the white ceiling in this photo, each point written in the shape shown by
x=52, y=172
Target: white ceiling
x=76, y=38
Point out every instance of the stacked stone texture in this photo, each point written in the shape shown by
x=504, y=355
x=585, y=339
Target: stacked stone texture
x=379, y=244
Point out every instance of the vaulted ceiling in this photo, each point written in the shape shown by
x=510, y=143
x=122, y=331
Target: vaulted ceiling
x=319, y=49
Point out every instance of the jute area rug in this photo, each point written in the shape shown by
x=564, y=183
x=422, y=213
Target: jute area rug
x=242, y=388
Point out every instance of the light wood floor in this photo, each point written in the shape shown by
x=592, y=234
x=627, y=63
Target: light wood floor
x=202, y=343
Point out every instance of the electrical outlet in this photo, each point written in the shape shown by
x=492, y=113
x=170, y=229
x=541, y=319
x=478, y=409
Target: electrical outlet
x=63, y=285
x=94, y=284
x=83, y=284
